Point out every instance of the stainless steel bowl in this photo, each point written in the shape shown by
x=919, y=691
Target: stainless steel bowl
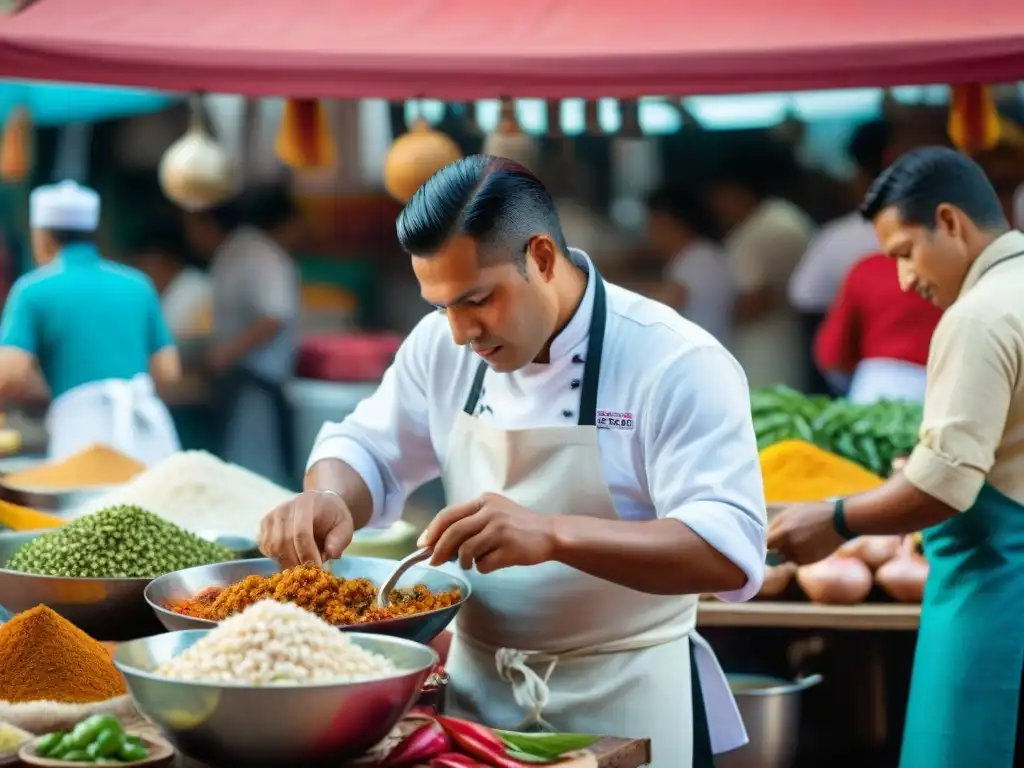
x=107, y=609
x=243, y=547
x=233, y=725
x=422, y=627
x=54, y=502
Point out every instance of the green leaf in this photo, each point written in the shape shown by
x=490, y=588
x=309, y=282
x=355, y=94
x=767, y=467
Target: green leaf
x=550, y=746
x=525, y=757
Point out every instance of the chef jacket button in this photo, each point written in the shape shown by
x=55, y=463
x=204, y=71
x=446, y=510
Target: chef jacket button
x=575, y=384
x=567, y=414
x=577, y=358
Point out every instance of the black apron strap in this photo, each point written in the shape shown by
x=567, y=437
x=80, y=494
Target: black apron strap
x=591, y=366
x=703, y=757
x=476, y=389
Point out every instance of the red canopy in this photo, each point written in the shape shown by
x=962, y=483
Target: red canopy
x=460, y=49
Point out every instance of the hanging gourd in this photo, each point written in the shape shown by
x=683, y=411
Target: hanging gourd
x=974, y=123
x=196, y=172
x=468, y=111
x=304, y=140
x=509, y=140
x=16, y=150
x=414, y=157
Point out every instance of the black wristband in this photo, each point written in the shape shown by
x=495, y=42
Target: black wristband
x=839, y=521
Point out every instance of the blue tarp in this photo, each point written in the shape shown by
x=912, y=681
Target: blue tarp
x=60, y=103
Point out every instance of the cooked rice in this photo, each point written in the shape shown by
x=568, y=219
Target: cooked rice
x=272, y=643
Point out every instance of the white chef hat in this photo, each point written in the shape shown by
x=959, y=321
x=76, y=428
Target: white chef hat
x=65, y=205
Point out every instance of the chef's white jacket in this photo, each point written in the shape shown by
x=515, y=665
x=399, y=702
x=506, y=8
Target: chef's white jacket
x=679, y=440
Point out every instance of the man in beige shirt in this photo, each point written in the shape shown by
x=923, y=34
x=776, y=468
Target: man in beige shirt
x=936, y=213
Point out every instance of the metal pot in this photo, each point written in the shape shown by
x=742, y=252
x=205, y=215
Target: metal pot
x=770, y=707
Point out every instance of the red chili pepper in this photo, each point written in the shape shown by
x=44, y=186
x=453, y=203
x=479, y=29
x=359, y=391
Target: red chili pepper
x=455, y=760
x=479, y=741
x=427, y=741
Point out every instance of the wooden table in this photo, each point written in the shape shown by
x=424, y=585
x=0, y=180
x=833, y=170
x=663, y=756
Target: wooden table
x=611, y=752
x=796, y=615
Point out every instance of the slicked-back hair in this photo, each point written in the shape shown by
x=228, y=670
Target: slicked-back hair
x=493, y=200
x=923, y=179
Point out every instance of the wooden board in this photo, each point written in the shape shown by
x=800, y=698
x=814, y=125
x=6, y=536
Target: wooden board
x=794, y=615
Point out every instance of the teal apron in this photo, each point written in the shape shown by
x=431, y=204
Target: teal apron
x=966, y=686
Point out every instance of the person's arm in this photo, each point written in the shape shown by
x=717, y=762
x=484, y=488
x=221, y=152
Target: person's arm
x=164, y=361
x=18, y=344
x=704, y=479
x=382, y=452
x=971, y=373
x=273, y=291
x=748, y=260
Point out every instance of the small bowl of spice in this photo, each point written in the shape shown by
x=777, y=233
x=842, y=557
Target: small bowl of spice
x=11, y=740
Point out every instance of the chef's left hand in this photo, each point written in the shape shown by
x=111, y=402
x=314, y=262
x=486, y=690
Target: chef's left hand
x=490, y=532
x=804, y=534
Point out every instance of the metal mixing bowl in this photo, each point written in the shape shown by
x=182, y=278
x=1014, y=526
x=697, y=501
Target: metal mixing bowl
x=233, y=725
x=107, y=609
x=421, y=627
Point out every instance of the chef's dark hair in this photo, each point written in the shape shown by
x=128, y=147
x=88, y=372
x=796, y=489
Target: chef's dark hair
x=495, y=201
x=923, y=179
x=685, y=206
x=65, y=237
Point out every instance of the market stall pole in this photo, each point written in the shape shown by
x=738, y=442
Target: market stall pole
x=871, y=617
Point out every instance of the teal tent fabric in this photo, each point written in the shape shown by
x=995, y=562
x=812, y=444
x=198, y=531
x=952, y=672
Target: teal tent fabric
x=52, y=104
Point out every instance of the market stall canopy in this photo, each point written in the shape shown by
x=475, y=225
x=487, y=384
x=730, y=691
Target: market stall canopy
x=462, y=49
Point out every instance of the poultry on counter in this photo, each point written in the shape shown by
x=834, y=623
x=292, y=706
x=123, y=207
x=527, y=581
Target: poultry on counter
x=589, y=436
x=938, y=216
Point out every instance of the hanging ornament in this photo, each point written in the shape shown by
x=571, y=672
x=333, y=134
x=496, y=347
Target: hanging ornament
x=630, y=111
x=196, y=173
x=974, y=123
x=592, y=118
x=16, y=151
x=553, y=107
x=414, y=157
x=509, y=140
x=304, y=140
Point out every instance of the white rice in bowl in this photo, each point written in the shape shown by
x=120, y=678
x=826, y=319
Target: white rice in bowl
x=272, y=643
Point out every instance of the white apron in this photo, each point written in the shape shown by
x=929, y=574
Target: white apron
x=883, y=379
x=551, y=647
x=123, y=414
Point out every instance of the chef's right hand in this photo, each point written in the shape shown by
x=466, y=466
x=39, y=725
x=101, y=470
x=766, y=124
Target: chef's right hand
x=311, y=528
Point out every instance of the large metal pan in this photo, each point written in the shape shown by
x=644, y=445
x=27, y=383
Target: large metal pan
x=422, y=627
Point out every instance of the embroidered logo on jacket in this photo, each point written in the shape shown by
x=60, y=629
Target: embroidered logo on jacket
x=615, y=420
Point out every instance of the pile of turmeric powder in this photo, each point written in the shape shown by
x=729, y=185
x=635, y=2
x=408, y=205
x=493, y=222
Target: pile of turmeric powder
x=44, y=657
x=96, y=465
x=794, y=470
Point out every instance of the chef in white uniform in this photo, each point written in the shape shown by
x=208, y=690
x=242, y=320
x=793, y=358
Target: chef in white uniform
x=599, y=463
x=88, y=332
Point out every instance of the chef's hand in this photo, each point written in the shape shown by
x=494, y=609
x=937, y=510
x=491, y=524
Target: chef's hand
x=490, y=532
x=311, y=528
x=804, y=534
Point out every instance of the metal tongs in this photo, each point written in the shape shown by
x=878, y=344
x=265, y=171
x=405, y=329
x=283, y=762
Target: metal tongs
x=384, y=592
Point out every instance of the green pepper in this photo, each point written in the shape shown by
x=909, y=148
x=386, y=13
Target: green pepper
x=85, y=732
x=48, y=743
x=130, y=752
x=108, y=743
x=77, y=756
x=136, y=740
x=62, y=748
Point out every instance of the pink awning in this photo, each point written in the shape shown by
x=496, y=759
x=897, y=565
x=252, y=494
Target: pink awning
x=461, y=49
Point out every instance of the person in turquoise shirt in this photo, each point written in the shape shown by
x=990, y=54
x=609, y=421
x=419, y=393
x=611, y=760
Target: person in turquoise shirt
x=91, y=333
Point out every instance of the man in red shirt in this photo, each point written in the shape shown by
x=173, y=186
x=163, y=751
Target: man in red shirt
x=874, y=341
